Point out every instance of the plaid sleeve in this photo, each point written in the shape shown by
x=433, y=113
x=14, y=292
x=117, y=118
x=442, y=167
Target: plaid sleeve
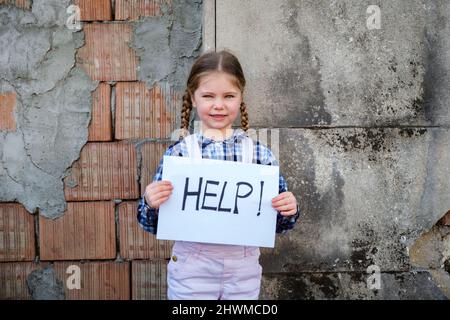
x=265, y=156
x=285, y=223
x=148, y=217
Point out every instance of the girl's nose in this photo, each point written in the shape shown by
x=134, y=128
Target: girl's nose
x=219, y=104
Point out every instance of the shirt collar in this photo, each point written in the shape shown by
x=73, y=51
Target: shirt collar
x=238, y=134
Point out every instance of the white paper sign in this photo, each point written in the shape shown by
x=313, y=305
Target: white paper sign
x=215, y=201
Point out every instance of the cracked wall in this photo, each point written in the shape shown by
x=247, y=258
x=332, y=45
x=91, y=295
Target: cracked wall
x=168, y=45
x=86, y=117
x=53, y=93
x=431, y=252
x=52, y=105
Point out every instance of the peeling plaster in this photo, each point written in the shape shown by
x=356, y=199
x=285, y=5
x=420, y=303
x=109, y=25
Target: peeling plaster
x=53, y=105
x=54, y=95
x=168, y=45
x=43, y=284
x=431, y=252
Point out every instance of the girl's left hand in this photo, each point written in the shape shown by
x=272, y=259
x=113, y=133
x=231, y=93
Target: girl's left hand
x=285, y=203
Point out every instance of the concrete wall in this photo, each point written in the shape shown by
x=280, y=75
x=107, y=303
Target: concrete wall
x=363, y=117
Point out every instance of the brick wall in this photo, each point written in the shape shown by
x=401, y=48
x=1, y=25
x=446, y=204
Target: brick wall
x=128, y=133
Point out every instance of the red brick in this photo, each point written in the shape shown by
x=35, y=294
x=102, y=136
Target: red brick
x=16, y=233
x=446, y=219
x=99, y=280
x=145, y=113
x=105, y=171
x=7, y=106
x=24, y=4
x=151, y=156
x=85, y=231
x=13, y=280
x=100, y=127
x=134, y=9
x=135, y=243
x=94, y=10
x=149, y=280
x=106, y=55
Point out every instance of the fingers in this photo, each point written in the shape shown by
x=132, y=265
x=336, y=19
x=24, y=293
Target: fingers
x=288, y=213
x=288, y=207
x=161, y=194
x=285, y=203
x=156, y=200
x=283, y=199
x=284, y=196
x=158, y=186
x=157, y=203
x=158, y=192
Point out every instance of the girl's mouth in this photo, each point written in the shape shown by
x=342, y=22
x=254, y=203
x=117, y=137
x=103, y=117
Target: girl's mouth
x=217, y=116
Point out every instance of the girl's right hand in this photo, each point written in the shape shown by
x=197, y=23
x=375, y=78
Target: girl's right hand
x=157, y=193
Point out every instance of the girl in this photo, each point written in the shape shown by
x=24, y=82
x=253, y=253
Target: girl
x=215, y=88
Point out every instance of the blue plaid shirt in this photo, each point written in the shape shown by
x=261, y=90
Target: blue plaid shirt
x=229, y=149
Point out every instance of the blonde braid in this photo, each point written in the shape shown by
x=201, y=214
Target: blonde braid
x=244, y=117
x=186, y=111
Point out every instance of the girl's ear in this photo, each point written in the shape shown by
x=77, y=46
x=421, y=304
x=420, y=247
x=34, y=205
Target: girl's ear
x=194, y=105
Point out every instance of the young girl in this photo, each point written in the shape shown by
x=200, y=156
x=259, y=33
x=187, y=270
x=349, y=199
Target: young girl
x=215, y=88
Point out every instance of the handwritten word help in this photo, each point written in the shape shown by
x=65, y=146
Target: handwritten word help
x=242, y=191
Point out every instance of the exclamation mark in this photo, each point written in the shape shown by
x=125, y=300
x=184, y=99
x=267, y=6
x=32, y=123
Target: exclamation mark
x=260, y=198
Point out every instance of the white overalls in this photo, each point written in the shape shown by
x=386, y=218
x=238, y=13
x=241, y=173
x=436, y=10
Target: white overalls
x=214, y=271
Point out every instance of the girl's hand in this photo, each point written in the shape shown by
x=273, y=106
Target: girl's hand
x=285, y=203
x=157, y=193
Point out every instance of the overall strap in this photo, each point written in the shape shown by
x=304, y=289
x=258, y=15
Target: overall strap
x=247, y=150
x=192, y=146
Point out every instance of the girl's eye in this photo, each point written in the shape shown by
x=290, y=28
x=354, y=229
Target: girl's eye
x=209, y=96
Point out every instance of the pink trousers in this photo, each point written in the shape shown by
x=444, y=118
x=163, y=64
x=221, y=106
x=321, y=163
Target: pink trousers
x=213, y=271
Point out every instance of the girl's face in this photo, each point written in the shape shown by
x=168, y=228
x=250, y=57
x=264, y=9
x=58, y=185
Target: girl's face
x=218, y=101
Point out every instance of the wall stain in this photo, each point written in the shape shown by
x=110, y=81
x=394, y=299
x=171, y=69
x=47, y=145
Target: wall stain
x=326, y=284
x=293, y=288
x=365, y=139
x=297, y=84
x=410, y=132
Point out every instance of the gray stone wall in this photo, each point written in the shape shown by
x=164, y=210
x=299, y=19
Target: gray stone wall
x=359, y=100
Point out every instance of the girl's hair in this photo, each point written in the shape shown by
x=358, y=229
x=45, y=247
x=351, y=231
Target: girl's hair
x=223, y=61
